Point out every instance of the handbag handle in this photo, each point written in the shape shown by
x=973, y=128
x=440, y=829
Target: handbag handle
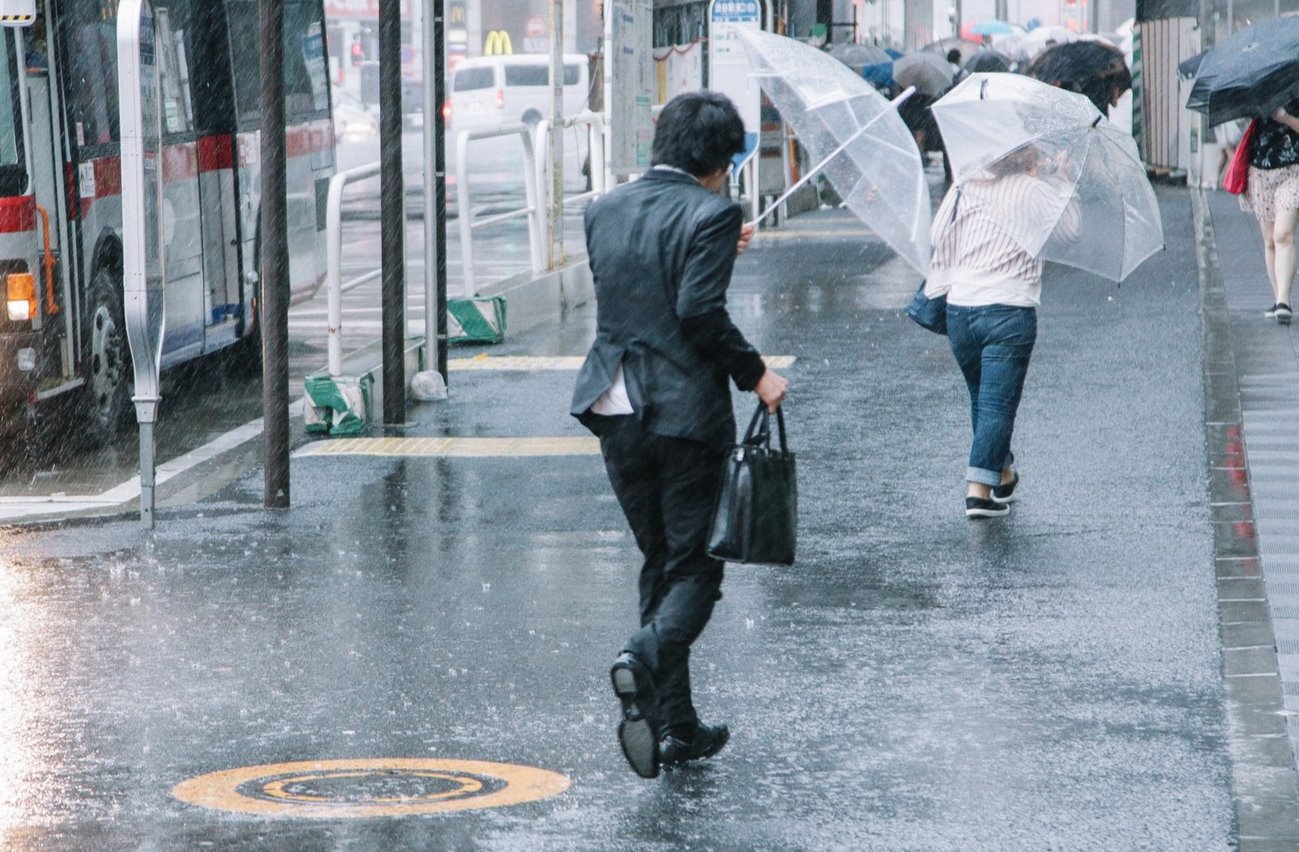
x=759, y=431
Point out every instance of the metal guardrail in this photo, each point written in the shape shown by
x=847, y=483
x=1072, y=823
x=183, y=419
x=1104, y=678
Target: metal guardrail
x=334, y=283
x=532, y=204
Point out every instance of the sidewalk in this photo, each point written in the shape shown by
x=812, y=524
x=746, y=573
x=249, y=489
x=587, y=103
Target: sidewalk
x=917, y=681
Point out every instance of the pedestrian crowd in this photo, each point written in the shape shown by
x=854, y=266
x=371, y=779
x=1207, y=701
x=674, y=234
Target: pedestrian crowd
x=654, y=385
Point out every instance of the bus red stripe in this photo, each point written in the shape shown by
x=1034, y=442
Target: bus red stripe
x=215, y=153
x=17, y=215
x=108, y=177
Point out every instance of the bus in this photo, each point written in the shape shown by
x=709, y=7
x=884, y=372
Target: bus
x=62, y=334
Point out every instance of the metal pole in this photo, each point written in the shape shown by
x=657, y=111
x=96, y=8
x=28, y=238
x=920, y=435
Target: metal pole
x=391, y=202
x=274, y=261
x=435, y=186
x=556, y=216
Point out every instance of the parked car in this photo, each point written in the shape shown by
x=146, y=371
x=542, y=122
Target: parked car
x=352, y=121
x=488, y=91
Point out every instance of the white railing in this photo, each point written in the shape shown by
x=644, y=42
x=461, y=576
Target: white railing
x=334, y=269
x=532, y=205
x=596, y=168
x=594, y=122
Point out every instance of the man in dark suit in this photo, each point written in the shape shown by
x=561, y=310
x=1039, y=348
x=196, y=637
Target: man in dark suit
x=654, y=389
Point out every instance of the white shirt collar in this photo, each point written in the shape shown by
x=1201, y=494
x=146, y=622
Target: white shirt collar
x=664, y=167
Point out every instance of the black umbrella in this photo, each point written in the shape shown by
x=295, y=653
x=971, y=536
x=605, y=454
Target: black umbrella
x=1092, y=68
x=1249, y=74
x=987, y=60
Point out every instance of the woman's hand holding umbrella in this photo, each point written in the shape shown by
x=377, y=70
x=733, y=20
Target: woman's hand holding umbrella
x=1286, y=118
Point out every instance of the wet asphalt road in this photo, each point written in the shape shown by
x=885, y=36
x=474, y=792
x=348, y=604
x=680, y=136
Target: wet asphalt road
x=915, y=681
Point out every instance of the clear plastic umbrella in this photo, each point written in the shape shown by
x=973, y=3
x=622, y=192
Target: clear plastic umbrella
x=995, y=122
x=853, y=135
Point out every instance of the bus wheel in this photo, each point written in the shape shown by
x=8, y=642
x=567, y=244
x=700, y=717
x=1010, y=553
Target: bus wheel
x=108, y=360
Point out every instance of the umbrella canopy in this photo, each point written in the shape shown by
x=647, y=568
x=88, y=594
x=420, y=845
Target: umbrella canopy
x=1041, y=38
x=1095, y=69
x=987, y=61
x=1249, y=74
x=930, y=73
x=857, y=56
x=869, y=155
x=992, y=26
x=1188, y=68
x=963, y=46
x=994, y=124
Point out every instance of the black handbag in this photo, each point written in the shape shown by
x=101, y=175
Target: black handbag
x=928, y=313
x=756, y=520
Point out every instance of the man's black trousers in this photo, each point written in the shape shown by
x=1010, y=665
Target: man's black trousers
x=667, y=488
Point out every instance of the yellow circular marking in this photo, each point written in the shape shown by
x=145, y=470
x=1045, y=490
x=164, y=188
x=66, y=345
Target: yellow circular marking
x=307, y=788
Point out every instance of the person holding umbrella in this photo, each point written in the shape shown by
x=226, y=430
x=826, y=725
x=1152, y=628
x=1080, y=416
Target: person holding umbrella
x=1032, y=162
x=1254, y=73
x=993, y=287
x=1272, y=195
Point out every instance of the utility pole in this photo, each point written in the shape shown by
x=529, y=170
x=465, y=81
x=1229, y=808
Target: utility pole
x=392, y=198
x=274, y=261
x=435, y=184
x=557, y=134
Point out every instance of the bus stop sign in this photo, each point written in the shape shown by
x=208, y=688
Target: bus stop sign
x=17, y=13
x=142, y=247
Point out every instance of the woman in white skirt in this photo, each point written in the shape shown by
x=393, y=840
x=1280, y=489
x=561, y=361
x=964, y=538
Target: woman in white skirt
x=1272, y=196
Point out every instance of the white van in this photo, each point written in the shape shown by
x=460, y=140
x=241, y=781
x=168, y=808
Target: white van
x=488, y=91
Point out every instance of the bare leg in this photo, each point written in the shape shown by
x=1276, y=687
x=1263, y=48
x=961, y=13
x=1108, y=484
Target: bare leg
x=1284, y=254
x=1269, y=253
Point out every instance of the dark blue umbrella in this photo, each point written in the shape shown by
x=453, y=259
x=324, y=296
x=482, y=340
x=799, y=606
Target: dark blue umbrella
x=1249, y=74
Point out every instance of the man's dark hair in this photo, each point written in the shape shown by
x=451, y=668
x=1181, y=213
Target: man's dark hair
x=698, y=132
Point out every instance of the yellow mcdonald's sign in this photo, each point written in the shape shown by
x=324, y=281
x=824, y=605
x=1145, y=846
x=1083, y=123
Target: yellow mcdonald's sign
x=498, y=42
x=457, y=13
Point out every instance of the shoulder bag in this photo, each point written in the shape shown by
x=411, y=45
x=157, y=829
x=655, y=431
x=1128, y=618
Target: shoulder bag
x=929, y=313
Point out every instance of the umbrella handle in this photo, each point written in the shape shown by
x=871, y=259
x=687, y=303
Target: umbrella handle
x=895, y=103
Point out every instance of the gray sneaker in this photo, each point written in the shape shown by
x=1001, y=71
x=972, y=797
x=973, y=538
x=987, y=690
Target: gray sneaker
x=1283, y=313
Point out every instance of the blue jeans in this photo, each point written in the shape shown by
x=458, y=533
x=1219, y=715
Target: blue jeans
x=992, y=345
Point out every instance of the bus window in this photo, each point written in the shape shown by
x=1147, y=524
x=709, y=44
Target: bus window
x=177, y=111
x=13, y=170
x=306, y=72
x=92, y=53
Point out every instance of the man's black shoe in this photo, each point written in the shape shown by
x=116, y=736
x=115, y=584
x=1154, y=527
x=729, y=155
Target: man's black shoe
x=977, y=507
x=637, y=732
x=708, y=741
x=1283, y=313
x=1005, y=493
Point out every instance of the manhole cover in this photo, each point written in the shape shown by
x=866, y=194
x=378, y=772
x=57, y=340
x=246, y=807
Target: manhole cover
x=342, y=789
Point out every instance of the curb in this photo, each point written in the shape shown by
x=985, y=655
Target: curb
x=1264, y=781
